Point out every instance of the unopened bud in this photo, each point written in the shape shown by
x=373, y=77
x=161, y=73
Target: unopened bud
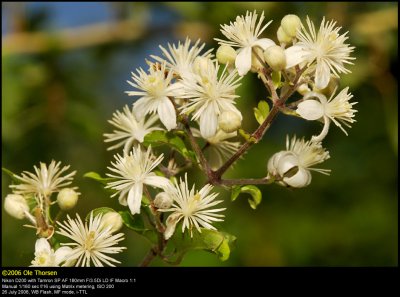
x=67, y=199
x=200, y=65
x=16, y=206
x=303, y=89
x=226, y=55
x=163, y=200
x=283, y=37
x=113, y=219
x=257, y=59
x=275, y=57
x=229, y=121
x=290, y=23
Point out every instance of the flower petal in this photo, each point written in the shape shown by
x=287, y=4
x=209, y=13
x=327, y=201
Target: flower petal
x=62, y=254
x=42, y=245
x=135, y=198
x=310, y=110
x=294, y=56
x=208, y=122
x=157, y=181
x=264, y=43
x=301, y=179
x=243, y=61
x=166, y=112
x=171, y=222
x=322, y=75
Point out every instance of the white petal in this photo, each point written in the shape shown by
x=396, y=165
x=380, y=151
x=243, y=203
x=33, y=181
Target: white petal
x=322, y=75
x=157, y=181
x=135, y=198
x=287, y=162
x=42, y=245
x=243, y=61
x=264, y=43
x=171, y=222
x=166, y=112
x=62, y=254
x=208, y=122
x=310, y=110
x=294, y=56
x=301, y=179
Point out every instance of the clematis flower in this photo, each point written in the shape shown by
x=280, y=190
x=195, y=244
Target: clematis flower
x=45, y=255
x=337, y=109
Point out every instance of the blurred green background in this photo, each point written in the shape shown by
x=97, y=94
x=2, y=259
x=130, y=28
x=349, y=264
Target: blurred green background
x=64, y=72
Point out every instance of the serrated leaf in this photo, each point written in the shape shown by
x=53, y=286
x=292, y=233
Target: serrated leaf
x=256, y=195
x=11, y=174
x=97, y=211
x=219, y=243
x=261, y=111
x=95, y=176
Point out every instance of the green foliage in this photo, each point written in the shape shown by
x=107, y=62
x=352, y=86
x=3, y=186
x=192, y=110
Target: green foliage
x=11, y=174
x=219, y=243
x=276, y=79
x=256, y=195
x=136, y=224
x=97, y=211
x=157, y=138
x=261, y=111
x=97, y=177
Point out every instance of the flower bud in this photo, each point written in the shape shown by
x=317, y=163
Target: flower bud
x=67, y=199
x=171, y=222
x=226, y=54
x=163, y=200
x=229, y=121
x=256, y=64
x=283, y=37
x=16, y=206
x=290, y=23
x=275, y=57
x=200, y=65
x=303, y=89
x=112, y=219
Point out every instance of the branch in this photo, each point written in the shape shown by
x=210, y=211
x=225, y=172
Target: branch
x=246, y=181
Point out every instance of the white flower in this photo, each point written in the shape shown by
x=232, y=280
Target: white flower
x=327, y=48
x=92, y=242
x=301, y=154
x=129, y=130
x=209, y=97
x=338, y=109
x=45, y=255
x=193, y=207
x=154, y=88
x=244, y=33
x=46, y=181
x=132, y=172
x=180, y=59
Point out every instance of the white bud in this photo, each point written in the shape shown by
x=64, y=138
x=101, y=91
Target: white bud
x=256, y=64
x=275, y=57
x=16, y=206
x=67, y=199
x=113, y=219
x=283, y=37
x=163, y=200
x=229, y=121
x=290, y=23
x=303, y=89
x=200, y=65
x=226, y=54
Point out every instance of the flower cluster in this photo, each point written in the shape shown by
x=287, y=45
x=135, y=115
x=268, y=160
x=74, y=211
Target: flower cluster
x=186, y=100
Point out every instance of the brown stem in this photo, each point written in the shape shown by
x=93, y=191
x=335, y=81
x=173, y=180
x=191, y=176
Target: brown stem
x=246, y=181
x=148, y=258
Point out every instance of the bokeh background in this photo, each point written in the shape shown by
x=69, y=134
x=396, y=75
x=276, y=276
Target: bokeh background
x=64, y=72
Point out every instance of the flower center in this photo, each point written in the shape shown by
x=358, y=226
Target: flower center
x=88, y=245
x=155, y=85
x=192, y=205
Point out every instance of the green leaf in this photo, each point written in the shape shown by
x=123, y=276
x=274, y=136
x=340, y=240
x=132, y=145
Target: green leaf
x=97, y=211
x=95, y=176
x=261, y=111
x=157, y=138
x=276, y=79
x=136, y=224
x=256, y=195
x=11, y=174
x=219, y=243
